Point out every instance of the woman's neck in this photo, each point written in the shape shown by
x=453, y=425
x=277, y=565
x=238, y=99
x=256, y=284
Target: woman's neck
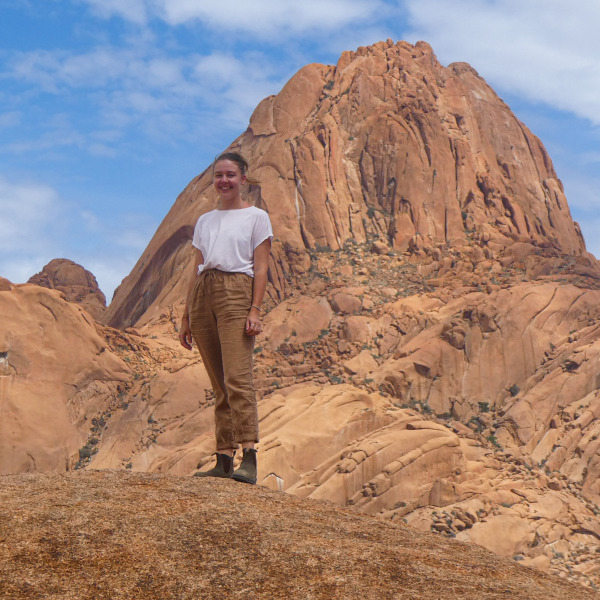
x=233, y=203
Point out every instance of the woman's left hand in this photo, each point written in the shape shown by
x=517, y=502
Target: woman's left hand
x=253, y=324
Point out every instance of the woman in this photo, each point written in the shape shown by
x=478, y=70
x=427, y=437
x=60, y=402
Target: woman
x=222, y=313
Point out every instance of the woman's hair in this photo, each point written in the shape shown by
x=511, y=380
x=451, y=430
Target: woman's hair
x=240, y=161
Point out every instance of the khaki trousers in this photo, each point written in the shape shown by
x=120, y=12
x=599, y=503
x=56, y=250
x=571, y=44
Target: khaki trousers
x=218, y=308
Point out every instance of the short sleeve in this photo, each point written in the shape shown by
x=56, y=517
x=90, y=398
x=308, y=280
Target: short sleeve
x=262, y=229
x=197, y=233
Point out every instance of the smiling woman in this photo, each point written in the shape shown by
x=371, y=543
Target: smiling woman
x=222, y=312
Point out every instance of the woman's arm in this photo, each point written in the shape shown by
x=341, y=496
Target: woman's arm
x=261, y=267
x=185, y=334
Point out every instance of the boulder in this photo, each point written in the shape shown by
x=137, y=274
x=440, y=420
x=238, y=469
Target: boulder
x=76, y=283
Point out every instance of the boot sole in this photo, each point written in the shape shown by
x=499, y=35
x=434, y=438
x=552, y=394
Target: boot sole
x=243, y=479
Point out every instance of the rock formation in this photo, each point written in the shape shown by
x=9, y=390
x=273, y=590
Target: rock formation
x=55, y=374
x=387, y=144
x=78, y=284
x=5, y=284
x=64, y=378
x=432, y=339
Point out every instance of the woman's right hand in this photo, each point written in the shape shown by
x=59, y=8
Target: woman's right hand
x=185, y=334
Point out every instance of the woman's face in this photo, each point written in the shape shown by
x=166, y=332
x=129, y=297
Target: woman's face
x=228, y=179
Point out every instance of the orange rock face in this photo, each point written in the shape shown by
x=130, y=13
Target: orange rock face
x=387, y=144
x=5, y=284
x=55, y=374
x=78, y=284
x=72, y=391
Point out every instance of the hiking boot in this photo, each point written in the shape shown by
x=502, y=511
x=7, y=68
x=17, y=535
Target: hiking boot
x=247, y=470
x=223, y=468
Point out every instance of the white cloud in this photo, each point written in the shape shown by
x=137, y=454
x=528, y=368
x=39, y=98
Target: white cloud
x=131, y=10
x=10, y=119
x=37, y=225
x=545, y=50
x=56, y=132
x=266, y=19
x=29, y=211
x=148, y=86
x=235, y=85
x=141, y=88
x=98, y=68
x=109, y=246
x=31, y=228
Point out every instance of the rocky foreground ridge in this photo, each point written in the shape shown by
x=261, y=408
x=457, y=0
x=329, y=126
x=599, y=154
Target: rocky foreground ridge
x=432, y=336
x=122, y=535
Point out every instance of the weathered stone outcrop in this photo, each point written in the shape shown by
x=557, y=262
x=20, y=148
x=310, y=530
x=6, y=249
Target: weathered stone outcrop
x=386, y=144
x=5, y=284
x=71, y=390
x=55, y=373
x=76, y=283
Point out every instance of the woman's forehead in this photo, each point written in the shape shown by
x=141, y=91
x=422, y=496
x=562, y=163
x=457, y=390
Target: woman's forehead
x=227, y=165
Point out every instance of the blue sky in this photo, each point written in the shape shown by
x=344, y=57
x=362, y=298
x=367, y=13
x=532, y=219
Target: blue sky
x=108, y=108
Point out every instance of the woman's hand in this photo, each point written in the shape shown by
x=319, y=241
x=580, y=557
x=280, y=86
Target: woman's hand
x=185, y=333
x=253, y=325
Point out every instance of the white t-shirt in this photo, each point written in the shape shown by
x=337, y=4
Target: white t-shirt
x=228, y=238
